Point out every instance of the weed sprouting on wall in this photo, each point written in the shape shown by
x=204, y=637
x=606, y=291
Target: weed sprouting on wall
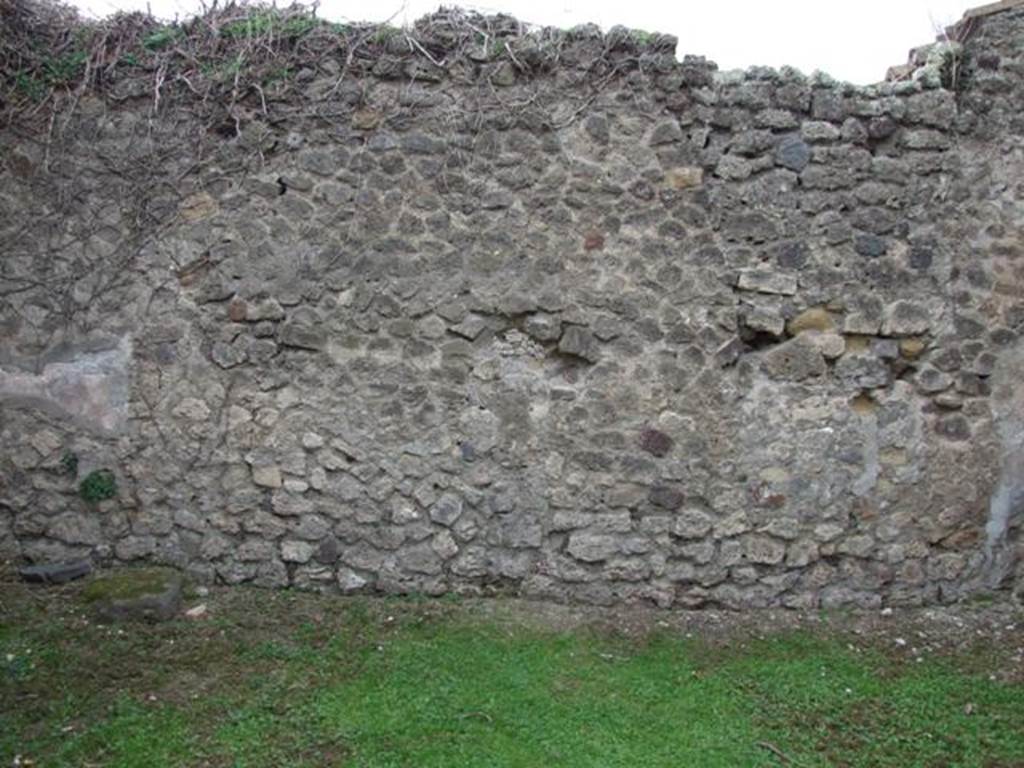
x=49, y=56
x=69, y=463
x=48, y=52
x=98, y=486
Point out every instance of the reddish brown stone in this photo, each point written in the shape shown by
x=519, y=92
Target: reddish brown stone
x=593, y=241
x=666, y=497
x=237, y=310
x=961, y=540
x=655, y=442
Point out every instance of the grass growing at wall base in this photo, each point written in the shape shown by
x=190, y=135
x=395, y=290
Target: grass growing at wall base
x=270, y=679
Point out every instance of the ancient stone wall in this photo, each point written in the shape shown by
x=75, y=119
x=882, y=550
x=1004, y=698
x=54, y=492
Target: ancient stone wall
x=603, y=327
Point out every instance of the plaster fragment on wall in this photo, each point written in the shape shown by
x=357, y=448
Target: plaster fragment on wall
x=87, y=385
x=1008, y=498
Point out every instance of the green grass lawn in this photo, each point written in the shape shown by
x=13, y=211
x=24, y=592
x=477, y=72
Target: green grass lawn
x=272, y=679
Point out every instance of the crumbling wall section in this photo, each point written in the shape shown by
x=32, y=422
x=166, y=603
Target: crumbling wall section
x=624, y=328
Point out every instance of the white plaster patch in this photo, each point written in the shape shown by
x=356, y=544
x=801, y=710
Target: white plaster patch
x=90, y=387
x=1008, y=497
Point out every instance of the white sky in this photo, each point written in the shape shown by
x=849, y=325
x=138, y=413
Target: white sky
x=855, y=40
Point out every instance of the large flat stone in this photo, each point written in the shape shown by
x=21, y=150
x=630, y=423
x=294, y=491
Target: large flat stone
x=55, y=573
x=765, y=281
x=136, y=594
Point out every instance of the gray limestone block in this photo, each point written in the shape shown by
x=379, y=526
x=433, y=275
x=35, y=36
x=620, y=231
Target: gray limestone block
x=446, y=510
x=906, y=318
x=794, y=360
x=925, y=139
x=819, y=131
x=761, y=320
x=272, y=574
x=228, y=355
x=517, y=303
x=829, y=105
x=776, y=119
x=692, y=523
x=349, y=581
x=666, y=132
x=862, y=372
x=767, y=281
x=853, y=131
x=303, y=337
x=76, y=528
x=519, y=531
x=297, y=551
x=931, y=380
x=733, y=168
x=543, y=327
x=422, y=144
x=134, y=547
x=579, y=341
x=864, y=315
x=592, y=547
x=422, y=559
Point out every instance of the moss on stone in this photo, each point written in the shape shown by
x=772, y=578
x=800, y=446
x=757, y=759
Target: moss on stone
x=129, y=584
x=813, y=319
x=856, y=344
x=864, y=403
x=911, y=348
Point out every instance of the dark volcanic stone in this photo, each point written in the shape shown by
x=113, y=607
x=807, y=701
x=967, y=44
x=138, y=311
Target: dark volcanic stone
x=920, y=257
x=871, y=246
x=793, y=153
x=303, y=337
x=792, y=255
x=954, y=428
x=55, y=573
x=328, y=551
x=655, y=442
x=882, y=127
x=666, y=497
x=597, y=127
